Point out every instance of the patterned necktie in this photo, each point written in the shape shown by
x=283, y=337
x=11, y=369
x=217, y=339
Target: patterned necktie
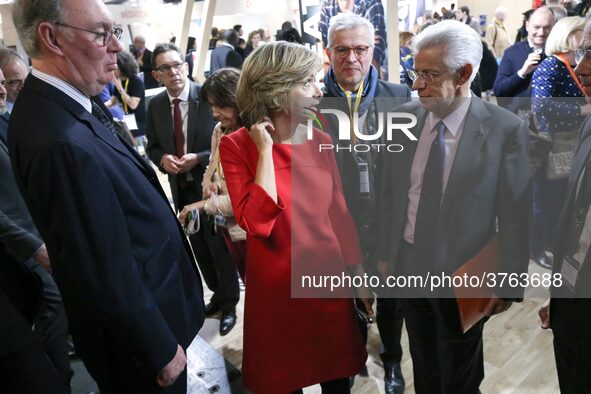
x=427, y=220
x=103, y=118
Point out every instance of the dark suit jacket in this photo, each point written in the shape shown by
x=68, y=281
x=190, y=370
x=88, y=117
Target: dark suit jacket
x=17, y=231
x=20, y=289
x=487, y=186
x=160, y=132
x=387, y=97
x=580, y=161
x=224, y=56
x=120, y=258
x=508, y=83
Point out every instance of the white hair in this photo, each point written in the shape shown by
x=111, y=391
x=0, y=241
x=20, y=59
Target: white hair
x=349, y=21
x=462, y=44
x=500, y=11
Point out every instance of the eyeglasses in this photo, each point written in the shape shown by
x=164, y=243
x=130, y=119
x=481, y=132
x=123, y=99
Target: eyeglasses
x=425, y=76
x=167, y=67
x=581, y=53
x=359, y=51
x=106, y=35
x=13, y=82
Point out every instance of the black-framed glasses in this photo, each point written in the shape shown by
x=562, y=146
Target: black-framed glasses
x=106, y=35
x=359, y=51
x=167, y=67
x=580, y=53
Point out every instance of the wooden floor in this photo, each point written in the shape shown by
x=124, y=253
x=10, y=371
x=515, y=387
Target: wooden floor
x=518, y=354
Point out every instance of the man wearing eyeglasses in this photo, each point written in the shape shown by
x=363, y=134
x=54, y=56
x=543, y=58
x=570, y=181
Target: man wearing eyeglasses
x=445, y=197
x=569, y=311
x=179, y=127
x=120, y=258
x=15, y=71
x=352, y=85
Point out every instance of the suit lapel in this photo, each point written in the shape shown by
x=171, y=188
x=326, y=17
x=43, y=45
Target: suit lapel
x=192, y=118
x=470, y=145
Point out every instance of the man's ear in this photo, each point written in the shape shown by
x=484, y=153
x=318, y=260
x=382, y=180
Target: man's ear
x=156, y=75
x=48, y=38
x=465, y=74
x=327, y=51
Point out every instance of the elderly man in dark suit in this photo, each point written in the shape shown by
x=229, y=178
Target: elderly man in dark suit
x=442, y=199
x=348, y=34
x=22, y=241
x=179, y=129
x=569, y=314
x=120, y=258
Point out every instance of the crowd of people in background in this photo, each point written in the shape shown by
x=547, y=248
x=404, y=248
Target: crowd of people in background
x=90, y=246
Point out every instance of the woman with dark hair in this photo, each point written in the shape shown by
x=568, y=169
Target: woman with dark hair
x=254, y=38
x=288, y=197
x=129, y=92
x=219, y=90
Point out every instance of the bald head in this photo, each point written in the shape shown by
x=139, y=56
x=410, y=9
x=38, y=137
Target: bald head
x=539, y=26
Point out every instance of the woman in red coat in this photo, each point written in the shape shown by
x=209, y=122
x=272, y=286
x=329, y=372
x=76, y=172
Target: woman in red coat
x=286, y=193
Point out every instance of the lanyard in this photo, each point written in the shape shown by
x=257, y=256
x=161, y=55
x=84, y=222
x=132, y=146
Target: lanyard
x=355, y=108
x=572, y=73
x=125, y=90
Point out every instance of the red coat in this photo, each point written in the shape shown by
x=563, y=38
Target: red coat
x=290, y=343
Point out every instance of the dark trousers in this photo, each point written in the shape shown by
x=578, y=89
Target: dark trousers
x=389, y=317
x=445, y=361
x=571, y=324
x=337, y=386
x=213, y=258
x=548, y=199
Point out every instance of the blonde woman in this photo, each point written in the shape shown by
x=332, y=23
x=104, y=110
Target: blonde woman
x=288, y=197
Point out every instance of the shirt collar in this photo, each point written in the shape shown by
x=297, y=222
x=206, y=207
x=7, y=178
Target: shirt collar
x=454, y=120
x=228, y=45
x=64, y=87
x=531, y=44
x=184, y=96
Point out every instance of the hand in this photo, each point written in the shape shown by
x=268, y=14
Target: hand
x=171, y=164
x=169, y=374
x=531, y=63
x=384, y=268
x=501, y=306
x=187, y=162
x=199, y=205
x=260, y=134
x=544, y=314
x=42, y=258
x=366, y=297
x=586, y=109
x=117, y=83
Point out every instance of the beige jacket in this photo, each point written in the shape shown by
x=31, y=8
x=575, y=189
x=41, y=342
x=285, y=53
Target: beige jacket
x=497, y=38
x=219, y=204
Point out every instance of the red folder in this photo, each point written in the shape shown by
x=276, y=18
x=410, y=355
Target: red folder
x=474, y=303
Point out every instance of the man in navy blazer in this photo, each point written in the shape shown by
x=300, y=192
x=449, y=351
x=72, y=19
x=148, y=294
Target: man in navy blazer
x=131, y=290
x=521, y=60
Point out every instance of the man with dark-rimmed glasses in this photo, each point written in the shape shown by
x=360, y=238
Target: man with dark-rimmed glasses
x=15, y=71
x=128, y=280
x=352, y=85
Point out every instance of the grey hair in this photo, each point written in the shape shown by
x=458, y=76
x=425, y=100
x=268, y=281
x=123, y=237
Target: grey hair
x=349, y=21
x=501, y=11
x=28, y=14
x=462, y=43
x=7, y=55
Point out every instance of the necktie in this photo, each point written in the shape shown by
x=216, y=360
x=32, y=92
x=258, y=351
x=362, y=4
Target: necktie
x=103, y=118
x=179, y=137
x=427, y=220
